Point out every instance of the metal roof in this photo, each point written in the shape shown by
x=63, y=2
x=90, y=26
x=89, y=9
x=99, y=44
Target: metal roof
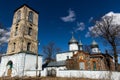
x=56, y=64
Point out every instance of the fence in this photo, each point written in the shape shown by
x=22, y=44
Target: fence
x=89, y=74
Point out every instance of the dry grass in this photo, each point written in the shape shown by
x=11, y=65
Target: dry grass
x=42, y=78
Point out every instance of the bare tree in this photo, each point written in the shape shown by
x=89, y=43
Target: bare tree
x=49, y=51
x=87, y=48
x=108, y=29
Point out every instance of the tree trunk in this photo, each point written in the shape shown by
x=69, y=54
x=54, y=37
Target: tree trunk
x=115, y=56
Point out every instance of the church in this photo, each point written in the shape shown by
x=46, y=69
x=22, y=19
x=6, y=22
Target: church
x=79, y=59
x=22, y=53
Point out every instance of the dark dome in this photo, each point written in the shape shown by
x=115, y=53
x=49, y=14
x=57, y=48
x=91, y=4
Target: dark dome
x=94, y=44
x=73, y=40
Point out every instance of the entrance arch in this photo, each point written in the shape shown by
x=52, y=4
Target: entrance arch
x=9, y=66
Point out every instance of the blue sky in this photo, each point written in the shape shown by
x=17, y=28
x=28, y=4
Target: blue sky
x=58, y=18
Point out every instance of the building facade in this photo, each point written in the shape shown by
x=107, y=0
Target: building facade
x=85, y=61
x=78, y=59
x=24, y=31
x=22, y=53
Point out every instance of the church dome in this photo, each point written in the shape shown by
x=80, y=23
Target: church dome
x=94, y=44
x=73, y=40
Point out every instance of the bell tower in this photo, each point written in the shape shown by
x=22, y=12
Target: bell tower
x=24, y=31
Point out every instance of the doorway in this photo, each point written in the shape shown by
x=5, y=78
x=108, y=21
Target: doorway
x=9, y=66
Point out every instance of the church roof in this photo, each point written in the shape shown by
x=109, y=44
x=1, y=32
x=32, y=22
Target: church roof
x=56, y=64
x=94, y=43
x=73, y=40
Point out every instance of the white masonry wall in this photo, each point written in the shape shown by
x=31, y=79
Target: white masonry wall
x=63, y=56
x=30, y=65
x=23, y=64
x=103, y=75
x=73, y=47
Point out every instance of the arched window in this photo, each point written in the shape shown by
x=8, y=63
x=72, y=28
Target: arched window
x=94, y=65
x=28, y=46
x=13, y=49
x=30, y=31
x=16, y=31
x=18, y=16
x=30, y=17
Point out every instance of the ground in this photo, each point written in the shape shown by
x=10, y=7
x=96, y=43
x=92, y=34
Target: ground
x=44, y=78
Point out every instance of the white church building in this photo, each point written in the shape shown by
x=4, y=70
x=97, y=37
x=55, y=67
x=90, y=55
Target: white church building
x=74, y=47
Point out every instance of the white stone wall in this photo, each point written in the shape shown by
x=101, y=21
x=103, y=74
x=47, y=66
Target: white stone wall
x=30, y=65
x=44, y=73
x=63, y=56
x=95, y=50
x=73, y=47
x=89, y=74
x=21, y=63
x=17, y=64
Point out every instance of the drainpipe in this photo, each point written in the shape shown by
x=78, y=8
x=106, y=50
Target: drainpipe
x=37, y=61
x=24, y=64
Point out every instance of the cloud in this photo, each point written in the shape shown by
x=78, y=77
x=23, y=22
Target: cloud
x=70, y=18
x=87, y=35
x=115, y=16
x=4, y=36
x=80, y=26
x=90, y=20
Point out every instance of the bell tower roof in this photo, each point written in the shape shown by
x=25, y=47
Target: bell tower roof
x=26, y=6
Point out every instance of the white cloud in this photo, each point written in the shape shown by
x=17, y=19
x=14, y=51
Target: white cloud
x=90, y=20
x=4, y=36
x=80, y=26
x=115, y=23
x=87, y=35
x=70, y=18
x=116, y=17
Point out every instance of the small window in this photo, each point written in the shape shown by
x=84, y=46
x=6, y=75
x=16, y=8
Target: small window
x=30, y=31
x=28, y=46
x=16, y=31
x=67, y=57
x=94, y=66
x=18, y=16
x=30, y=17
x=14, y=44
x=82, y=65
